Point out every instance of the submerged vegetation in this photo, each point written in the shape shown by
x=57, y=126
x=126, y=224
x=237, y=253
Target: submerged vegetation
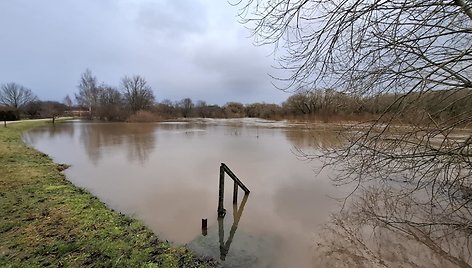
x=47, y=221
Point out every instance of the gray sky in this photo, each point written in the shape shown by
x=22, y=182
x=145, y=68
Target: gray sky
x=184, y=48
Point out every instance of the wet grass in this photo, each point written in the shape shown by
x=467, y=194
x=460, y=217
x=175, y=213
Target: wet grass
x=45, y=221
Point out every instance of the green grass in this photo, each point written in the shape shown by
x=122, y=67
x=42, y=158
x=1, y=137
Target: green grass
x=45, y=221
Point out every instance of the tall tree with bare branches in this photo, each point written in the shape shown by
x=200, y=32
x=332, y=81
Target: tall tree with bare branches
x=89, y=92
x=137, y=94
x=16, y=96
x=407, y=49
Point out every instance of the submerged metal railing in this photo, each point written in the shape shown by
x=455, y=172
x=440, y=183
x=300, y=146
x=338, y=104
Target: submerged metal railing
x=237, y=183
x=237, y=211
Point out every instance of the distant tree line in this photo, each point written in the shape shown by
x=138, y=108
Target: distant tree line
x=134, y=100
x=331, y=105
x=17, y=101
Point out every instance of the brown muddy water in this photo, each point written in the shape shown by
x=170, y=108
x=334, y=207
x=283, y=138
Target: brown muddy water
x=166, y=174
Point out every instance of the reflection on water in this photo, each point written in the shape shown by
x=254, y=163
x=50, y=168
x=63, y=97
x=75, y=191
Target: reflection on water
x=138, y=139
x=248, y=250
x=308, y=138
x=237, y=213
x=370, y=234
x=166, y=174
x=50, y=132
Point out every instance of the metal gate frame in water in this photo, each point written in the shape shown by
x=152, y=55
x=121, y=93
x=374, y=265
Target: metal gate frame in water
x=237, y=183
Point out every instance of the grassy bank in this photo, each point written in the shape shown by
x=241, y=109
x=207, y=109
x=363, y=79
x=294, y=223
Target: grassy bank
x=47, y=221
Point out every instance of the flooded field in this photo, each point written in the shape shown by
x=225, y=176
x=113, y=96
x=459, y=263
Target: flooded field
x=166, y=174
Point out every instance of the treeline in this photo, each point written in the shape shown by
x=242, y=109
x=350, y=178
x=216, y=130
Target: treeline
x=134, y=100
x=323, y=105
x=17, y=101
x=330, y=104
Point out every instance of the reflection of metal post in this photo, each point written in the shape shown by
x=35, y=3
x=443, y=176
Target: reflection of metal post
x=237, y=213
x=235, y=193
x=221, y=234
x=221, y=209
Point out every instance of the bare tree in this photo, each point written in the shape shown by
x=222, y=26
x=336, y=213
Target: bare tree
x=89, y=92
x=33, y=109
x=68, y=102
x=363, y=46
x=406, y=49
x=299, y=104
x=234, y=109
x=186, y=107
x=111, y=103
x=201, y=109
x=137, y=94
x=16, y=96
x=166, y=109
x=52, y=109
x=263, y=110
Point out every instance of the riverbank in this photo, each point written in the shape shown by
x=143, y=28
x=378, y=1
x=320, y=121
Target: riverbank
x=47, y=221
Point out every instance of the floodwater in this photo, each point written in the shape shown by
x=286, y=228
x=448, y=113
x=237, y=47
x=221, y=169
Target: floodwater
x=166, y=174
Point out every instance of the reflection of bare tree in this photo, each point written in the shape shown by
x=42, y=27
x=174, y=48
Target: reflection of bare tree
x=183, y=126
x=423, y=174
x=302, y=139
x=396, y=48
x=138, y=138
x=34, y=135
x=63, y=129
x=383, y=230
x=233, y=131
x=303, y=202
x=92, y=141
x=423, y=171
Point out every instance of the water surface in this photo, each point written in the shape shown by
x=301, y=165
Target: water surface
x=166, y=174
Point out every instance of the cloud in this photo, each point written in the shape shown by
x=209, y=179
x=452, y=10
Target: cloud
x=238, y=68
x=172, y=18
x=185, y=48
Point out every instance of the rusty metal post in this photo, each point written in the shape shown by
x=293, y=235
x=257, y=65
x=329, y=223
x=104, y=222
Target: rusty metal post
x=235, y=193
x=204, y=227
x=231, y=174
x=221, y=209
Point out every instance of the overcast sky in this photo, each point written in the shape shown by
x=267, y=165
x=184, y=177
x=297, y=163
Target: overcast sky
x=184, y=48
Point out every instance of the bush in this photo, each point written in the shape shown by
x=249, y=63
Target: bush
x=8, y=116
